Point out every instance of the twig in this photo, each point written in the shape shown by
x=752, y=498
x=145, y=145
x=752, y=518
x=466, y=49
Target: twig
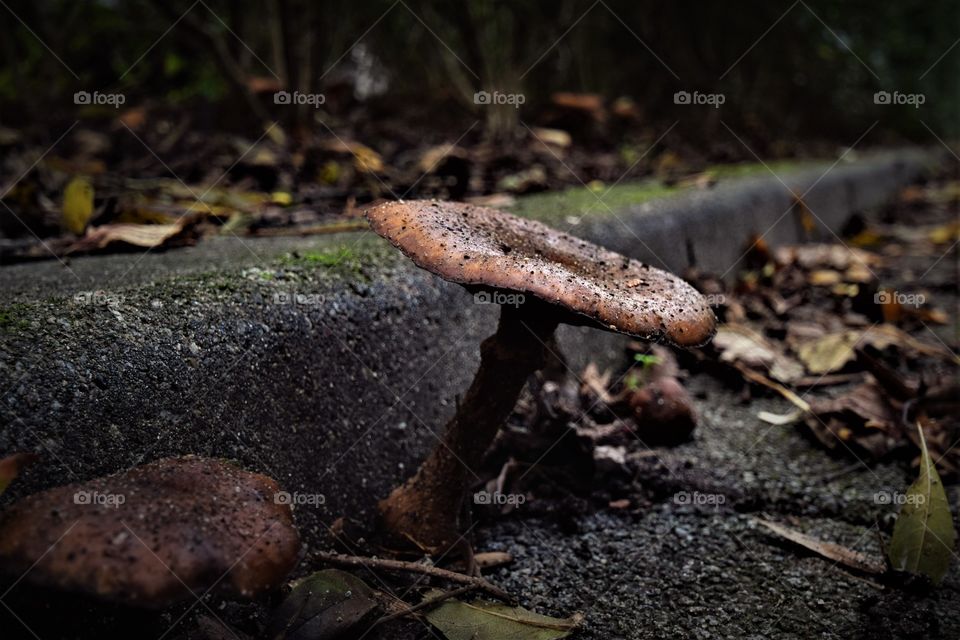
x=414, y=567
x=835, y=475
x=427, y=602
x=761, y=379
x=828, y=380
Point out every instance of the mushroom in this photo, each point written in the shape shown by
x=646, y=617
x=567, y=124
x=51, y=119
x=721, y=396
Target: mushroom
x=153, y=535
x=541, y=278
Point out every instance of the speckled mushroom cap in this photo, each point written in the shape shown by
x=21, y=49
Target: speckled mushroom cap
x=146, y=536
x=479, y=246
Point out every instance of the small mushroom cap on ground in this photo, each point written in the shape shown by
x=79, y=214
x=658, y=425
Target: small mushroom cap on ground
x=478, y=246
x=151, y=535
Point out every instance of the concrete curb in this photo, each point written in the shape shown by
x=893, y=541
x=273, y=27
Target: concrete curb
x=340, y=397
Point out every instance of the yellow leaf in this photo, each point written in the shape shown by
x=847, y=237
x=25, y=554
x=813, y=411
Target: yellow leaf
x=824, y=278
x=282, y=198
x=77, y=205
x=946, y=233
x=829, y=353
x=867, y=238
x=329, y=173
x=858, y=272
x=845, y=290
x=366, y=160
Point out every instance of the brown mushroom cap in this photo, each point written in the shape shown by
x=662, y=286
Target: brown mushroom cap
x=478, y=246
x=146, y=535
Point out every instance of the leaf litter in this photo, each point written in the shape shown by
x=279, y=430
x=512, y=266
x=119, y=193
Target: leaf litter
x=844, y=334
x=822, y=325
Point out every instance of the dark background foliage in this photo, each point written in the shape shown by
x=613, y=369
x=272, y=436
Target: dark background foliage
x=806, y=70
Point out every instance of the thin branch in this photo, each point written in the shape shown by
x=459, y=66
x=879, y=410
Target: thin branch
x=414, y=567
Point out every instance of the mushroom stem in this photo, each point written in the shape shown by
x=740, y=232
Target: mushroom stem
x=425, y=509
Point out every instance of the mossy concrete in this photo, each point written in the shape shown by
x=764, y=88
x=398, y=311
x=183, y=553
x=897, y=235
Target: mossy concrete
x=601, y=200
x=329, y=362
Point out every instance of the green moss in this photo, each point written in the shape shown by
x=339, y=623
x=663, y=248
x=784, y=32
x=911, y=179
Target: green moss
x=351, y=260
x=339, y=257
x=751, y=169
x=600, y=201
x=12, y=317
x=581, y=201
x=330, y=258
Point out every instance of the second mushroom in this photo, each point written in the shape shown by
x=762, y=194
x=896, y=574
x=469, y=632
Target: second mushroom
x=547, y=278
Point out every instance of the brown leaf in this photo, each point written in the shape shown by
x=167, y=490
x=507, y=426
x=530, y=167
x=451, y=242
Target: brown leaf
x=829, y=550
x=866, y=402
x=862, y=417
x=138, y=235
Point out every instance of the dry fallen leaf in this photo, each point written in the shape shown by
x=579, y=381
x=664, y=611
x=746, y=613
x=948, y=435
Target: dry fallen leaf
x=741, y=344
x=863, y=417
x=138, y=235
x=829, y=353
x=824, y=278
x=595, y=385
x=829, y=550
x=825, y=256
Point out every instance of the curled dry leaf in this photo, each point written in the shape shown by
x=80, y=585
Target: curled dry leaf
x=137, y=235
x=862, y=417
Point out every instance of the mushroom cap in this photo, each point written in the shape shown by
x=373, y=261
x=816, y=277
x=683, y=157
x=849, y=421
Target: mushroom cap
x=151, y=535
x=479, y=246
